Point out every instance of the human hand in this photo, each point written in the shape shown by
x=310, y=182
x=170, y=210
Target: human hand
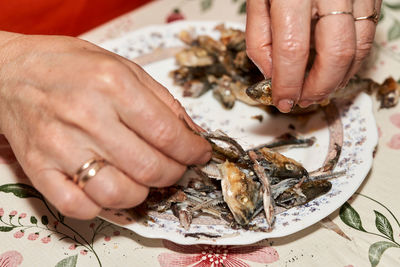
x=279, y=34
x=64, y=101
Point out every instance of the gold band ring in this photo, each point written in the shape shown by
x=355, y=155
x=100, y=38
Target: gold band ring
x=88, y=170
x=335, y=13
x=374, y=17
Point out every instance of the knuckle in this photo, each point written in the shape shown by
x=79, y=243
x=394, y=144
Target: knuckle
x=150, y=172
x=294, y=49
x=363, y=49
x=108, y=76
x=341, y=55
x=319, y=95
x=166, y=135
x=177, y=106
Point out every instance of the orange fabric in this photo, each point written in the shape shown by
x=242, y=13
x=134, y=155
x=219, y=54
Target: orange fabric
x=67, y=17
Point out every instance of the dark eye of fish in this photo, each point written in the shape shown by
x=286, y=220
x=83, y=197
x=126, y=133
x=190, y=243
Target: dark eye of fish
x=289, y=167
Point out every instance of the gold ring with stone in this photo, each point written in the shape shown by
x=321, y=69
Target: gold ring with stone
x=374, y=17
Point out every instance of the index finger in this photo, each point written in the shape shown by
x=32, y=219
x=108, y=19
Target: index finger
x=150, y=118
x=258, y=35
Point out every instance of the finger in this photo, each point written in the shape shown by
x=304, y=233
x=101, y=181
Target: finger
x=105, y=136
x=112, y=189
x=291, y=39
x=64, y=195
x=153, y=121
x=109, y=187
x=258, y=35
x=163, y=94
x=140, y=110
x=160, y=91
x=365, y=33
x=335, y=47
x=140, y=161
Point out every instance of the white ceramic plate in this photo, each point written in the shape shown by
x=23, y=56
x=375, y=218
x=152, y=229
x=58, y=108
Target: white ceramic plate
x=355, y=119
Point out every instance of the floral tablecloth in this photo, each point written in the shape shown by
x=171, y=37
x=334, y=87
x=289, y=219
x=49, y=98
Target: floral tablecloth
x=364, y=231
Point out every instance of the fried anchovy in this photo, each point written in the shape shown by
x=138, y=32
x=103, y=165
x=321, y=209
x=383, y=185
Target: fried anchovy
x=267, y=200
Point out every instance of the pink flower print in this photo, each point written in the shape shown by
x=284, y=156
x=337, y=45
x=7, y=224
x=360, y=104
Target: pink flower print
x=46, y=239
x=216, y=256
x=33, y=236
x=1, y=212
x=83, y=251
x=22, y=215
x=72, y=247
x=107, y=238
x=394, y=143
x=13, y=213
x=174, y=16
x=19, y=234
x=10, y=258
x=395, y=119
x=116, y=233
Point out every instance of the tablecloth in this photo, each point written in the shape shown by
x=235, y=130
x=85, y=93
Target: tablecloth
x=32, y=233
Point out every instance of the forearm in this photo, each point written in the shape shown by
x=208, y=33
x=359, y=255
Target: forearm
x=5, y=37
x=5, y=42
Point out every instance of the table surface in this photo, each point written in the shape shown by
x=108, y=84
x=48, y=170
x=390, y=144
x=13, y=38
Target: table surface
x=32, y=233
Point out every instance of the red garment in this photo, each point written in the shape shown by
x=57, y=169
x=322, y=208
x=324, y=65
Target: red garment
x=66, y=17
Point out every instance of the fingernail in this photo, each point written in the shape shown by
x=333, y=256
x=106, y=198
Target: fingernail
x=285, y=105
x=305, y=103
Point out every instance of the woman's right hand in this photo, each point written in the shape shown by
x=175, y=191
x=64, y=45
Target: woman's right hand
x=64, y=101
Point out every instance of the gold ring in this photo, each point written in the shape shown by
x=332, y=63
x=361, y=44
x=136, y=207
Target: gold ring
x=336, y=13
x=88, y=170
x=374, y=17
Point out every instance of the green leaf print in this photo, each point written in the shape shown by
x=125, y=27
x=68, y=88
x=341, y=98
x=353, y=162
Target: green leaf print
x=33, y=220
x=383, y=225
x=242, y=8
x=206, y=4
x=376, y=250
x=68, y=262
x=392, y=6
x=6, y=228
x=21, y=190
x=394, y=31
x=350, y=217
x=45, y=220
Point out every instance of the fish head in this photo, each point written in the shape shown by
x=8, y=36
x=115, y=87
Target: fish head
x=241, y=193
